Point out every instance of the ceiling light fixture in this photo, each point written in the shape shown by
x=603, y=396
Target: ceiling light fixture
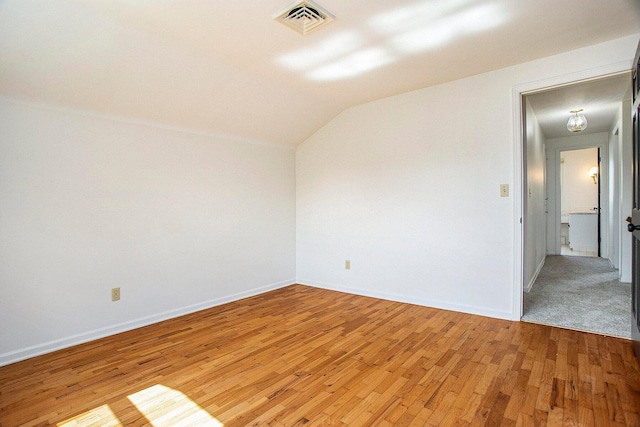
x=577, y=121
x=304, y=16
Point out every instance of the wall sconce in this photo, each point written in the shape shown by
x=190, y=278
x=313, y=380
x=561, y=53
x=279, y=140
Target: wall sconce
x=577, y=122
x=593, y=173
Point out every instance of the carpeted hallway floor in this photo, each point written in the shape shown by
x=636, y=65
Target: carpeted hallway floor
x=580, y=293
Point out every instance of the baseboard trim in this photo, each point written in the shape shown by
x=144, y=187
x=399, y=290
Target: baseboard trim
x=426, y=302
x=59, y=344
x=529, y=286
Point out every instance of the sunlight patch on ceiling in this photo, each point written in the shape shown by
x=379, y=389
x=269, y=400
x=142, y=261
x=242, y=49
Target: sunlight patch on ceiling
x=480, y=18
x=358, y=62
x=414, y=16
x=423, y=38
x=400, y=32
x=166, y=407
x=320, y=53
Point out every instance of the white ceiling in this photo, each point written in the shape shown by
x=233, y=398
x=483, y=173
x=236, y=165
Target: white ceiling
x=600, y=99
x=227, y=68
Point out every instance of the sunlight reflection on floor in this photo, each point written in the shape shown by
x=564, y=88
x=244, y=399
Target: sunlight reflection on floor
x=164, y=407
x=100, y=416
x=161, y=406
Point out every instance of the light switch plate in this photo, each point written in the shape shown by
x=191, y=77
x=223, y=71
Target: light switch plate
x=504, y=190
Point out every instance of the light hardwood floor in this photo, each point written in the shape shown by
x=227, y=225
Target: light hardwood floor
x=301, y=355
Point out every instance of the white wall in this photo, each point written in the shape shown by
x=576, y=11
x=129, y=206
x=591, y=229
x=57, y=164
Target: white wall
x=626, y=189
x=396, y=187
x=534, y=199
x=178, y=221
x=614, y=193
x=407, y=188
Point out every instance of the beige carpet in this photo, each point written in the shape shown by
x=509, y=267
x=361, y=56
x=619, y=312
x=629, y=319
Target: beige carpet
x=580, y=293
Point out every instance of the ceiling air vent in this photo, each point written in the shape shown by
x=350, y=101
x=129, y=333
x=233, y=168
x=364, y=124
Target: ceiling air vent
x=304, y=16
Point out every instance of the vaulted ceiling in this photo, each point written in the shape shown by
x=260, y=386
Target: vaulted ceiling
x=227, y=68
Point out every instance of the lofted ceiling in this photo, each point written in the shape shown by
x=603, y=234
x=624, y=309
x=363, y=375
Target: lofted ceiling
x=227, y=68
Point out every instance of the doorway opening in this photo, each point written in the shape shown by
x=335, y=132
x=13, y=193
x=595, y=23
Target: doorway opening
x=573, y=200
x=580, y=220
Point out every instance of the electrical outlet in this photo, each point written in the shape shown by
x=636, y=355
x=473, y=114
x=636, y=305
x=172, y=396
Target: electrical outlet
x=504, y=190
x=347, y=264
x=115, y=294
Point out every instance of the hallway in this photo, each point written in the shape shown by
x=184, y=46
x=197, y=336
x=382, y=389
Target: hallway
x=581, y=293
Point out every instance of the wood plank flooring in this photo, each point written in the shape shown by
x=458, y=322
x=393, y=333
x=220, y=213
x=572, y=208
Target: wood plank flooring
x=306, y=356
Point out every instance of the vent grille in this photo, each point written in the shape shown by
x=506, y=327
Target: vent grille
x=304, y=16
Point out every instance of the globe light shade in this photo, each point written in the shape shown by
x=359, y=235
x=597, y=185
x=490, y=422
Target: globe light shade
x=577, y=121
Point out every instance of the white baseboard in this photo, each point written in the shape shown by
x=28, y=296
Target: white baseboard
x=529, y=286
x=59, y=344
x=426, y=302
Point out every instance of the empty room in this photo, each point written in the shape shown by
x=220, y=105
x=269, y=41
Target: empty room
x=278, y=213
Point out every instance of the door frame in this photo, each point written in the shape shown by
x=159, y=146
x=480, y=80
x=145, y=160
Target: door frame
x=554, y=209
x=518, y=91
